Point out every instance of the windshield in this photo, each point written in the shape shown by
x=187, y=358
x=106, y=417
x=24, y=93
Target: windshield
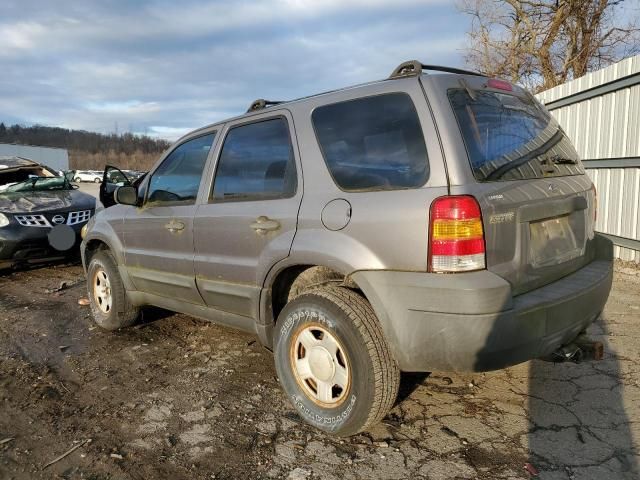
x=512, y=137
x=39, y=184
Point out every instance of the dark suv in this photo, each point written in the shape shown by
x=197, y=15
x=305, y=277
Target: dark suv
x=41, y=213
x=426, y=221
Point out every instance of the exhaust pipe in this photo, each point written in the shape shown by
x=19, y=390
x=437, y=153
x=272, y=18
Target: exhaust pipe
x=580, y=350
x=591, y=350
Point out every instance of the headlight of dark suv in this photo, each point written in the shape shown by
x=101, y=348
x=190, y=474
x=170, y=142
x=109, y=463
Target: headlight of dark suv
x=4, y=220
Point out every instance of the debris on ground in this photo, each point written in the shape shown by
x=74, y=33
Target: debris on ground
x=68, y=452
x=531, y=470
x=61, y=286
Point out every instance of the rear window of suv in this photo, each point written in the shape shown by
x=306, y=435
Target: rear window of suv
x=373, y=143
x=512, y=137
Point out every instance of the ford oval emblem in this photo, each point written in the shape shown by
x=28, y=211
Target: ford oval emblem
x=58, y=219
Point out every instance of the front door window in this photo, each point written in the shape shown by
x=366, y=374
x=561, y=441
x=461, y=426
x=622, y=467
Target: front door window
x=177, y=179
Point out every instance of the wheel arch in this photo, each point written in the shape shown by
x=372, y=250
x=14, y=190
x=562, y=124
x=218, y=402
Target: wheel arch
x=92, y=247
x=278, y=285
x=96, y=241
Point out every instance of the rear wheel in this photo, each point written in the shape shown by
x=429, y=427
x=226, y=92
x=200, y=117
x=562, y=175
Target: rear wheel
x=333, y=361
x=110, y=306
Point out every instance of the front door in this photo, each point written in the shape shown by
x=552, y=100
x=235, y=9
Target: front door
x=112, y=178
x=158, y=236
x=250, y=219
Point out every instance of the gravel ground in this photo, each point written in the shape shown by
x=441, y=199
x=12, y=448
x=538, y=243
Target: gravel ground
x=179, y=398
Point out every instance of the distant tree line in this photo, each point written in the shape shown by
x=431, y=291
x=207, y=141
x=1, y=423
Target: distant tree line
x=90, y=150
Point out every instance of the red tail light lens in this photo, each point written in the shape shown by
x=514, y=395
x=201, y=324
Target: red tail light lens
x=456, y=236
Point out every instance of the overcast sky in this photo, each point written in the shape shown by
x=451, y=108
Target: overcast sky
x=166, y=67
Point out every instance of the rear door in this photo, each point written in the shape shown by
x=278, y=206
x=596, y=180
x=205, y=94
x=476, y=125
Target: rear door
x=511, y=154
x=250, y=219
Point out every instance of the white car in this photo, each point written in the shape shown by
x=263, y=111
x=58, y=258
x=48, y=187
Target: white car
x=87, y=176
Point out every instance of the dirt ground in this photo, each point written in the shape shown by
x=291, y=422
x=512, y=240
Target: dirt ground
x=179, y=398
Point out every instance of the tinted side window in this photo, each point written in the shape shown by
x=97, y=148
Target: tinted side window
x=256, y=162
x=178, y=177
x=373, y=143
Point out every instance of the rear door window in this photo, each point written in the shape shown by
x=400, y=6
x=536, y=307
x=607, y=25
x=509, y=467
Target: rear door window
x=256, y=162
x=512, y=137
x=373, y=143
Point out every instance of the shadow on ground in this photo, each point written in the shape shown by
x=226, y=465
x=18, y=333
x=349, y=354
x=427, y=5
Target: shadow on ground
x=580, y=415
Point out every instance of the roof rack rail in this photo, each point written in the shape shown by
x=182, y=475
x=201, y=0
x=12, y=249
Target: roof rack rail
x=413, y=68
x=261, y=103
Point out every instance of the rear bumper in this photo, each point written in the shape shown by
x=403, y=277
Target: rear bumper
x=471, y=322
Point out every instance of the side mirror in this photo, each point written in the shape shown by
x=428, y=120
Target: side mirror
x=126, y=195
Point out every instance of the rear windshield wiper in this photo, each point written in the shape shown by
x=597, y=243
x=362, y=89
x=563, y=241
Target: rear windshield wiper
x=558, y=160
x=545, y=147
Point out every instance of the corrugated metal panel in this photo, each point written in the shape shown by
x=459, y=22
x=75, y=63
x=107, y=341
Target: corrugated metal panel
x=56, y=158
x=613, y=72
x=607, y=127
x=618, y=205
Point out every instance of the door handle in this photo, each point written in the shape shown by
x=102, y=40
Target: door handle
x=174, y=226
x=263, y=224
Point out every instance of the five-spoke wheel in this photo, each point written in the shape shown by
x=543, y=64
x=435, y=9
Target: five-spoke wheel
x=102, y=290
x=320, y=365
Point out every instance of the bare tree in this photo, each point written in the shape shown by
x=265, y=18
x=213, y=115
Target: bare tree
x=543, y=43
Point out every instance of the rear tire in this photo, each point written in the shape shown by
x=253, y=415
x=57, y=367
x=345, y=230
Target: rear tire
x=333, y=362
x=311, y=278
x=110, y=306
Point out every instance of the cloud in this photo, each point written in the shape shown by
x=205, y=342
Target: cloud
x=164, y=67
x=20, y=36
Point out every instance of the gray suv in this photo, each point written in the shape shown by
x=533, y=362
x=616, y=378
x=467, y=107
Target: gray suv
x=426, y=221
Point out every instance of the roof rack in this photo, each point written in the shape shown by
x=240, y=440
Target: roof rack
x=261, y=103
x=413, y=68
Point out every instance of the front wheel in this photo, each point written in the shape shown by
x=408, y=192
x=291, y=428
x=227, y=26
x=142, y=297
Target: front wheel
x=77, y=179
x=110, y=305
x=333, y=361
x=96, y=180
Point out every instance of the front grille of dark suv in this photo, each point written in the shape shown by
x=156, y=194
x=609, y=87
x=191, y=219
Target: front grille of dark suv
x=70, y=218
x=32, y=220
x=81, y=216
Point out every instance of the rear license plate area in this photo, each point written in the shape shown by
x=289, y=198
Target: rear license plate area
x=552, y=241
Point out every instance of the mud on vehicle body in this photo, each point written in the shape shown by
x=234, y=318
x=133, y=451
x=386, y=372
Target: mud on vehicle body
x=426, y=221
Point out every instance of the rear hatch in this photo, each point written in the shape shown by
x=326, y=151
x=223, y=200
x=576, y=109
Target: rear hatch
x=537, y=203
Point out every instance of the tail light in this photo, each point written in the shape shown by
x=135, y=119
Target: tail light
x=456, y=236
